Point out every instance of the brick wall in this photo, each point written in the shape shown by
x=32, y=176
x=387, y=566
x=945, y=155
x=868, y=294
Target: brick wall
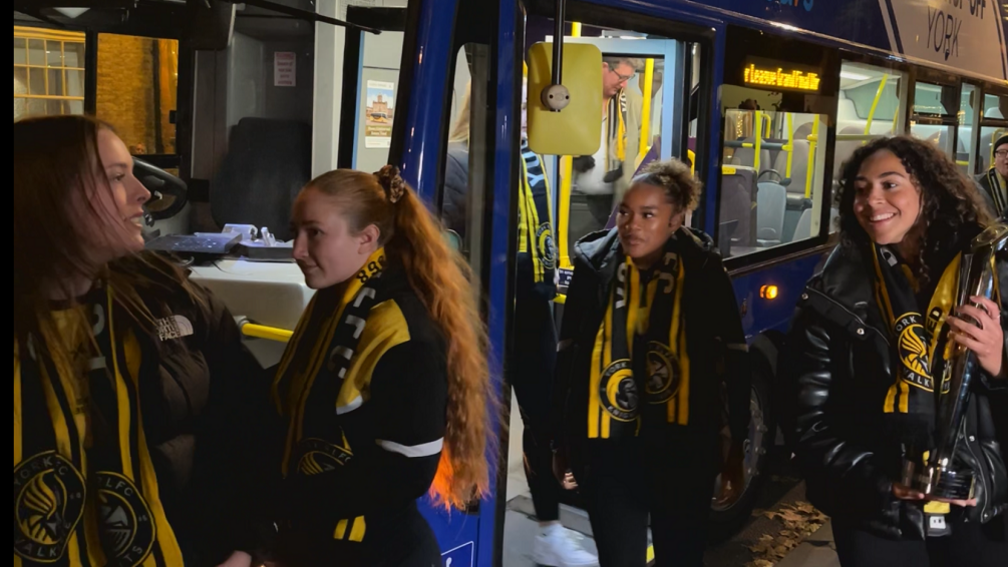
x=125, y=96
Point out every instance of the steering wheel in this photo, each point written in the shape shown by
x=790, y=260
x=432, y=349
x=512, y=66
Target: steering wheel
x=169, y=194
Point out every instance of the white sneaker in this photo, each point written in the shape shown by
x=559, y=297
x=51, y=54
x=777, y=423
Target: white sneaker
x=556, y=546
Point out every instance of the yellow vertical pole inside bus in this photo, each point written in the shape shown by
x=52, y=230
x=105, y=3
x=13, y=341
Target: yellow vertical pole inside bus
x=790, y=144
x=758, y=140
x=645, y=132
x=874, y=106
x=813, y=141
x=563, y=210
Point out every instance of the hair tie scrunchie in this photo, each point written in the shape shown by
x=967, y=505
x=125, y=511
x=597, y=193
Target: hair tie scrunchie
x=391, y=182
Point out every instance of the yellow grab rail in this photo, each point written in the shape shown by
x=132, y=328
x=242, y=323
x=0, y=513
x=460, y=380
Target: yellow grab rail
x=264, y=332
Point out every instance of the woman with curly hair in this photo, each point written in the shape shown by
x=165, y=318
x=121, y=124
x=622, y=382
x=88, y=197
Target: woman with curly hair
x=651, y=334
x=861, y=357
x=384, y=386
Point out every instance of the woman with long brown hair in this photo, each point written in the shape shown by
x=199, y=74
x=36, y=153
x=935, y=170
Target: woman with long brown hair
x=131, y=386
x=385, y=384
x=864, y=357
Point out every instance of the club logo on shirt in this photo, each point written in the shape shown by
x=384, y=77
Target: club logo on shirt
x=128, y=530
x=544, y=240
x=618, y=391
x=912, y=345
x=48, y=504
x=663, y=374
x=318, y=456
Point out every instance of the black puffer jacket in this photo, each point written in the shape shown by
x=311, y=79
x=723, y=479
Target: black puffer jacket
x=203, y=417
x=838, y=363
x=716, y=341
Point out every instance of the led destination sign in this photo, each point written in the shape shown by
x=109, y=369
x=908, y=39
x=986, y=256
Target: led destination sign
x=775, y=76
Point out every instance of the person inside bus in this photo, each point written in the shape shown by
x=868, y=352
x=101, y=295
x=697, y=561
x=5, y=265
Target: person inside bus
x=385, y=385
x=858, y=363
x=993, y=184
x=605, y=176
x=132, y=391
x=650, y=335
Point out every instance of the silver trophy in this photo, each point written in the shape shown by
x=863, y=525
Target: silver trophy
x=942, y=476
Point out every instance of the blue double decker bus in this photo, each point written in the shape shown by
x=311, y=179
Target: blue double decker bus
x=765, y=98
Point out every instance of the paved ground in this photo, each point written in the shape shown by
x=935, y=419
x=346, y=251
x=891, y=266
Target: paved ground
x=782, y=489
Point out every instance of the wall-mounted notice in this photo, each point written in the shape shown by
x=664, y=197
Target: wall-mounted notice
x=284, y=69
x=379, y=114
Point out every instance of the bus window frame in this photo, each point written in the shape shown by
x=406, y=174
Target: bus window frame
x=984, y=88
x=753, y=262
x=666, y=28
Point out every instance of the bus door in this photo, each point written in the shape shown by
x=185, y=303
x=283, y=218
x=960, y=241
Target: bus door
x=655, y=66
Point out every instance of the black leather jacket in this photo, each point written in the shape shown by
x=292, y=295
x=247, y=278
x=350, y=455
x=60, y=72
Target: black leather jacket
x=838, y=363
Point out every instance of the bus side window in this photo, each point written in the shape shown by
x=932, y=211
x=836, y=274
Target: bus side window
x=777, y=107
x=772, y=172
x=869, y=107
x=994, y=123
x=463, y=194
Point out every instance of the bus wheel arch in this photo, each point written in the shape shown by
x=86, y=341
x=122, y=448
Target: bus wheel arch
x=728, y=517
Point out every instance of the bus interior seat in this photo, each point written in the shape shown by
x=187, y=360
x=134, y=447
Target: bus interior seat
x=737, y=203
x=844, y=149
x=799, y=165
x=771, y=202
x=267, y=164
x=797, y=205
x=803, y=131
x=746, y=156
x=803, y=229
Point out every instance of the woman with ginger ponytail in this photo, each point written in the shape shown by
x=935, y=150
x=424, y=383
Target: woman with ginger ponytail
x=393, y=341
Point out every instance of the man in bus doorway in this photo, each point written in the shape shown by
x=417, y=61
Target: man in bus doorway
x=605, y=176
x=993, y=183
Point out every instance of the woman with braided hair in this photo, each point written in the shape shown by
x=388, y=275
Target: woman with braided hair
x=393, y=342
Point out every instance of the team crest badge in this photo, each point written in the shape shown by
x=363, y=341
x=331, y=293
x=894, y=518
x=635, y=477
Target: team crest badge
x=48, y=504
x=618, y=391
x=663, y=374
x=913, y=352
x=128, y=530
x=544, y=240
x=318, y=456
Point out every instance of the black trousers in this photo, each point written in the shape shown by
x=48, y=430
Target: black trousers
x=531, y=374
x=625, y=486
x=969, y=545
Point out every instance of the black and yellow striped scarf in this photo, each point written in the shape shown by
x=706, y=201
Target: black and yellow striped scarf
x=645, y=309
x=85, y=490
x=999, y=192
x=617, y=129
x=315, y=382
x=918, y=344
x=535, y=218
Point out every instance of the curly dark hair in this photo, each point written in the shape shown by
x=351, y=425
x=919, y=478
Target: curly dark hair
x=949, y=200
x=682, y=189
